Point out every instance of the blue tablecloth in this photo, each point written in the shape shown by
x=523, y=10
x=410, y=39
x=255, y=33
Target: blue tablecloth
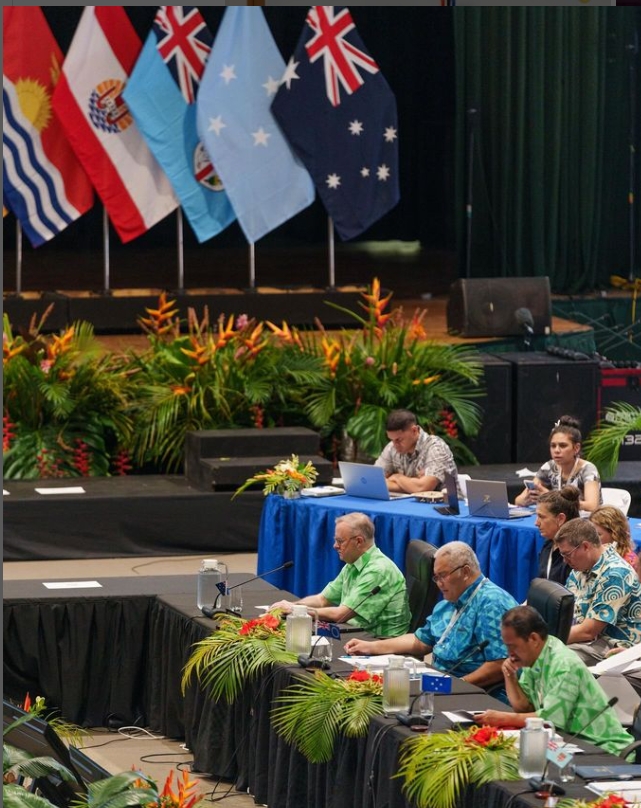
x=302, y=530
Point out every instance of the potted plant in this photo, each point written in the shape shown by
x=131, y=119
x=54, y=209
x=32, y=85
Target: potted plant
x=604, y=443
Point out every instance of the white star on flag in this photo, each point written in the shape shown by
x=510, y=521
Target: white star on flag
x=390, y=134
x=227, y=73
x=356, y=127
x=260, y=137
x=271, y=86
x=290, y=73
x=382, y=172
x=333, y=181
x=216, y=124
x=364, y=172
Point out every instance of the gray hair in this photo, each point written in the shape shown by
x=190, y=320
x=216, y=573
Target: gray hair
x=459, y=554
x=359, y=524
x=577, y=530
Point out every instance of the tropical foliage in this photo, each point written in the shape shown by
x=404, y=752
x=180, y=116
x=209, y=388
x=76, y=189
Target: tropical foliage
x=74, y=734
x=237, y=652
x=287, y=477
x=312, y=712
x=436, y=768
x=606, y=801
x=604, y=443
x=71, y=408
x=64, y=404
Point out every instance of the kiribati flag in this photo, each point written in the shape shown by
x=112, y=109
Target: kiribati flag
x=43, y=183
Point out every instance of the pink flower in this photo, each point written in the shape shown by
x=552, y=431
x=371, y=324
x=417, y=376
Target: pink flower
x=241, y=322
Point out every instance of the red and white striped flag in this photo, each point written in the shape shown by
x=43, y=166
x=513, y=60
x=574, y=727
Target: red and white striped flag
x=88, y=100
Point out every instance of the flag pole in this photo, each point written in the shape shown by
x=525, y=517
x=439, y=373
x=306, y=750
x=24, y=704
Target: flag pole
x=18, y=258
x=105, y=240
x=252, y=265
x=332, y=253
x=181, y=254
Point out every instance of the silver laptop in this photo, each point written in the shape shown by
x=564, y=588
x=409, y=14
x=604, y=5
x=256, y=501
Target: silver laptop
x=361, y=480
x=488, y=499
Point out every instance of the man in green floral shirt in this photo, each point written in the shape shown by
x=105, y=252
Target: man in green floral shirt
x=347, y=598
x=544, y=678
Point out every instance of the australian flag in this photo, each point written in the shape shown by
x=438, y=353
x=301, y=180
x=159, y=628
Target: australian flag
x=339, y=115
x=325, y=629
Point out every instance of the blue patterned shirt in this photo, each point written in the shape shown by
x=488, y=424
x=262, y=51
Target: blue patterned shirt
x=609, y=592
x=479, y=619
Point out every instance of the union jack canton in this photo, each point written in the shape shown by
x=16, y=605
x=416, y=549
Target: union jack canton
x=184, y=43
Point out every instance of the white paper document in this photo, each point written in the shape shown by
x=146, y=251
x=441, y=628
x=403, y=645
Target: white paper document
x=71, y=489
x=381, y=661
x=623, y=661
x=629, y=790
x=71, y=584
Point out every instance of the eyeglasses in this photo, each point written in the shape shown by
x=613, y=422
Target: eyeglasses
x=565, y=556
x=341, y=542
x=442, y=576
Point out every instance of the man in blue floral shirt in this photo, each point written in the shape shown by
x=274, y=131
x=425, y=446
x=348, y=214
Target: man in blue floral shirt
x=607, y=608
x=468, y=616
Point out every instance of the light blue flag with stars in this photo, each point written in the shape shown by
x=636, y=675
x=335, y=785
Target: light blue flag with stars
x=265, y=182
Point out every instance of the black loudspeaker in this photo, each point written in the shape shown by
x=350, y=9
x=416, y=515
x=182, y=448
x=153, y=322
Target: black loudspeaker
x=493, y=444
x=544, y=388
x=622, y=385
x=499, y=307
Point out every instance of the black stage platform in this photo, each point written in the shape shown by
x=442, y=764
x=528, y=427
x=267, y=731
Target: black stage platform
x=167, y=515
x=126, y=516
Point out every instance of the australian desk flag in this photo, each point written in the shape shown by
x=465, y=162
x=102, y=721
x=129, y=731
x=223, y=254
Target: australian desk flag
x=339, y=114
x=161, y=95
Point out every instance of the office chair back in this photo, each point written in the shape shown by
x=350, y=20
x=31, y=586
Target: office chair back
x=554, y=603
x=618, y=497
x=422, y=592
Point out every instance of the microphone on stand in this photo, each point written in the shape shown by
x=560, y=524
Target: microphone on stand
x=306, y=661
x=541, y=783
x=210, y=611
x=478, y=648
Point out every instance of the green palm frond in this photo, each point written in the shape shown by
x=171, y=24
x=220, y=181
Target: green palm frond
x=312, y=712
x=435, y=769
x=604, y=443
x=15, y=796
x=225, y=660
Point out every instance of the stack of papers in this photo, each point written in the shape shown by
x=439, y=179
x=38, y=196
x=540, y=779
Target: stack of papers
x=630, y=790
x=381, y=661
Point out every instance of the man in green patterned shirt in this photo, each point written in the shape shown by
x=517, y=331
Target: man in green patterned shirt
x=347, y=598
x=544, y=678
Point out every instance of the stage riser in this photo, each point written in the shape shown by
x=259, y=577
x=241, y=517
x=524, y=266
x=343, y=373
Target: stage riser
x=222, y=459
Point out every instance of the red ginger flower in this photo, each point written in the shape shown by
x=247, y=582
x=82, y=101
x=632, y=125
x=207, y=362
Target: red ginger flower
x=483, y=736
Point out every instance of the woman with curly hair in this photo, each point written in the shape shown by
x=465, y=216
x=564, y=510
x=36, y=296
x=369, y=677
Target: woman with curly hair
x=613, y=528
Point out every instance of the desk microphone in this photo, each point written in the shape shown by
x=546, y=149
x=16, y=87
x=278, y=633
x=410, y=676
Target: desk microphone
x=478, y=648
x=307, y=661
x=210, y=611
x=540, y=783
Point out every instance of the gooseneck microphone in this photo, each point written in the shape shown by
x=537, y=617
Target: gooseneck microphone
x=540, y=783
x=307, y=661
x=210, y=611
x=478, y=648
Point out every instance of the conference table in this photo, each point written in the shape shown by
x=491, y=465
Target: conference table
x=120, y=649
x=302, y=530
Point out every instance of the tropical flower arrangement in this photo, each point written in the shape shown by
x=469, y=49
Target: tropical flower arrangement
x=606, y=801
x=287, y=478
x=73, y=409
x=182, y=797
x=237, y=652
x=310, y=714
x=436, y=768
x=72, y=733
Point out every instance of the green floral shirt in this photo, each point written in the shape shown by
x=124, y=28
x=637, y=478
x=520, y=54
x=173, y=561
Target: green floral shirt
x=563, y=691
x=386, y=614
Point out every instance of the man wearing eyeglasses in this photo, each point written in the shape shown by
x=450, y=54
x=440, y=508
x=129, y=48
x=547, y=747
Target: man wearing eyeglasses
x=607, y=592
x=414, y=461
x=349, y=597
x=468, y=616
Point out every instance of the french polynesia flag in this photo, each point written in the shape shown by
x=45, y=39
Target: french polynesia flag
x=88, y=100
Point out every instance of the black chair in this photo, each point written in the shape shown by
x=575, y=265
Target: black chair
x=554, y=603
x=421, y=589
x=635, y=731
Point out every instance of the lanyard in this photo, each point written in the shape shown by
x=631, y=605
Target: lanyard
x=571, y=474
x=456, y=614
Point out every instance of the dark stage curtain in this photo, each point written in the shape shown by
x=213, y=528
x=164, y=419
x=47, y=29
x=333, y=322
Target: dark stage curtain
x=551, y=89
